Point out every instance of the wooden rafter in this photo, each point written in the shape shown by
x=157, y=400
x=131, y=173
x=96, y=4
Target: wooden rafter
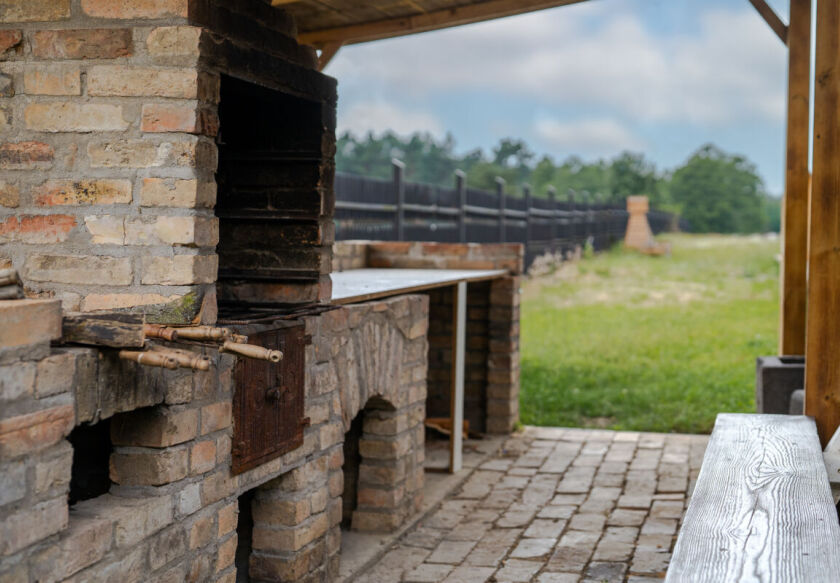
x=328, y=51
x=434, y=20
x=772, y=19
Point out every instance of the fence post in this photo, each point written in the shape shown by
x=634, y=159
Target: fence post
x=399, y=193
x=526, y=189
x=587, y=201
x=500, y=190
x=461, y=191
x=552, y=199
x=573, y=228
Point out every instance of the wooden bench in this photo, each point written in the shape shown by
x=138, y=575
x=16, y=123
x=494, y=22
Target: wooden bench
x=762, y=508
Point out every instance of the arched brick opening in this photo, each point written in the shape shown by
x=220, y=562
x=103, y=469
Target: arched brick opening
x=383, y=466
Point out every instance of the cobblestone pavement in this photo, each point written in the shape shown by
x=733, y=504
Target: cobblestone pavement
x=556, y=506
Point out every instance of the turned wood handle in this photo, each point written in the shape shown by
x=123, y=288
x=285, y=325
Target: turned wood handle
x=185, y=359
x=192, y=361
x=162, y=332
x=203, y=333
x=252, y=351
x=160, y=359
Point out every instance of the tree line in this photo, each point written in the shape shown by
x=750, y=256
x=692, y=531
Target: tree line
x=715, y=191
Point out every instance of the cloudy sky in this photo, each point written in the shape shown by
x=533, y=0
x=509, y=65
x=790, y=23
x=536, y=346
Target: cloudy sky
x=657, y=76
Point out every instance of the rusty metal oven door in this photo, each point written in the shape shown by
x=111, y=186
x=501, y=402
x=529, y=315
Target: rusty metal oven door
x=268, y=404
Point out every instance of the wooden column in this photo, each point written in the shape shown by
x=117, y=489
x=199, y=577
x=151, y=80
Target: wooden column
x=822, y=348
x=795, y=207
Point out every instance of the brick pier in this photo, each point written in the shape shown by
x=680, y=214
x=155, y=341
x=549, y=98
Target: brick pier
x=556, y=506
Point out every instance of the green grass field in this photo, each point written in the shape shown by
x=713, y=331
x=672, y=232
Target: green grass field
x=626, y=341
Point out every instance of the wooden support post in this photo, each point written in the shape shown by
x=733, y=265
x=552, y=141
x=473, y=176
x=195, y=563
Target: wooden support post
x=822, y=346
x=456, y=406
x=500, y=190
x=399, y=195
x=795, y=206
x=552, y=199
x=526, y=188
x=461, y=191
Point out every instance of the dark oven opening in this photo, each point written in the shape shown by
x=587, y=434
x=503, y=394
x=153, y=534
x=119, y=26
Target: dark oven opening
x=269, y=194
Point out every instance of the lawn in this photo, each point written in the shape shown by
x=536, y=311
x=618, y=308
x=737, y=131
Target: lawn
x=626, y=341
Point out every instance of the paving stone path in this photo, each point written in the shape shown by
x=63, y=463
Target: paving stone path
x=556, y=506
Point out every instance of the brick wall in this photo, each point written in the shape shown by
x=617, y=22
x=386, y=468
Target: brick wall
x=109, y=117
x=491, y=382
x=171, y=511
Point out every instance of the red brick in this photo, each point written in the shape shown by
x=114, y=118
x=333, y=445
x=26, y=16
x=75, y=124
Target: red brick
x=167, y=117
x=27, y=433
x=39, y=229
x=399, y=248
x=93, y=43
x=25, y=155
x=135, y=8
x=83, y=192
x=29, y=321
x=10, y=39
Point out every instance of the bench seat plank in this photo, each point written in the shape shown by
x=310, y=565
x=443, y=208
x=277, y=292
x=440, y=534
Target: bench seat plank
x=762, y=508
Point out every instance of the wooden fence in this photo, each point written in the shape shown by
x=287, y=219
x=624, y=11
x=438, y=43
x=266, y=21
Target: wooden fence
x=395, y=210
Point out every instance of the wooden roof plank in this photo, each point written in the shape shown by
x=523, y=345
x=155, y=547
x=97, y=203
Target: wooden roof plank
x=415, y=23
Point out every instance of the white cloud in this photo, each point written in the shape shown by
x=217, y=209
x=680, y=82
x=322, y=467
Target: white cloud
x=591, y=55
x=589, y=137
x=378, y=116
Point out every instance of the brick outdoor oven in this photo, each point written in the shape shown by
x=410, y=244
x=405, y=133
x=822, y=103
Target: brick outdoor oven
x=174, y=159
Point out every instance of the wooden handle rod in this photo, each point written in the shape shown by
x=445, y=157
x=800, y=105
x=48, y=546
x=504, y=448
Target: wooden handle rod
x=162, y=332
x=159, y=359
x=186, y=359
x=203, y=333
x=252, y=351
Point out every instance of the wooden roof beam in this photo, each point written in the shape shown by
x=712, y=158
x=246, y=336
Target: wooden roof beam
x=466, y=14
x=328, y=51
x=772, y=19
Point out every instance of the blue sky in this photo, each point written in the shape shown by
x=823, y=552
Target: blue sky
x=657, y=76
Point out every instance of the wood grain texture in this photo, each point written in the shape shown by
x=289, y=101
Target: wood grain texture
x=762, y=507
x=822, y=375
x=354, y=22
x=794, y=292
x=111, y=329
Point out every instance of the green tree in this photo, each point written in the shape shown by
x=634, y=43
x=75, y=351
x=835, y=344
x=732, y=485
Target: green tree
x=719, y=192
x=631, y=174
